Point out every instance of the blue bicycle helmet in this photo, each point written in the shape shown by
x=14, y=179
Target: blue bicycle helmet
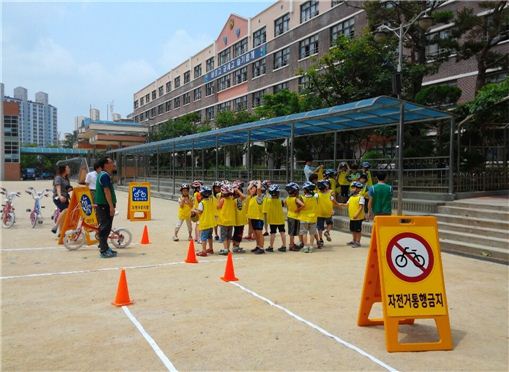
x=292, y=187
x=323, y=185
x=309, y=186
x=358, y=184
x=329, y=173
x=366, y=165
x=274, y=190
x=206, y=192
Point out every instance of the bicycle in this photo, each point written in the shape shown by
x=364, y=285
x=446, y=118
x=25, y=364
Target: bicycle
x=74, y=239
x=8, y=215
x=35, y=212
x=401, y=260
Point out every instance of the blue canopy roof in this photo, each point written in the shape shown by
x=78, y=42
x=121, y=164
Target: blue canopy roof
x=367, y=113
x=53, y=150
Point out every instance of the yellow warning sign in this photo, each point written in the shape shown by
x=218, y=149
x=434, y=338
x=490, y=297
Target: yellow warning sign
x=139, y=201
x=404, y=272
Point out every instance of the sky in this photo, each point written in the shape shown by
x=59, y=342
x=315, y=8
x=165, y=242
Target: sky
x=98, y=53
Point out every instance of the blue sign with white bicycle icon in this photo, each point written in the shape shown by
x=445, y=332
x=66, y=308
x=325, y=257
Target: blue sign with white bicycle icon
x=140, y=194
x=86, y=205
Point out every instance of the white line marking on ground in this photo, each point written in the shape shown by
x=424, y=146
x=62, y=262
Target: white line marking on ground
x=167, y=363
x=101, y=269
x=28, y=249
x=318, y=328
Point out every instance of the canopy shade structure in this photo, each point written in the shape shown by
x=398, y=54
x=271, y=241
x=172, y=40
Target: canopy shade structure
x=367, y=113
x=53, y=150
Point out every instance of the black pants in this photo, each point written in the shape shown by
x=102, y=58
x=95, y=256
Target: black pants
x=105, y=223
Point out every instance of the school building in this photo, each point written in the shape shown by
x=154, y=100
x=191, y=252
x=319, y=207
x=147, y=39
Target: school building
x=264, y=54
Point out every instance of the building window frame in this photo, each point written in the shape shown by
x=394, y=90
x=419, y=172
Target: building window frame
x=308, y=10
x=281, y=58
x=224, y=56
x=282, y=25
x=260, y=36
x=197, y=94
x=197, y=71
x=309, y=46
x=259, y=67
x=240, y=47
x=346, y=28
x=176, y=82
x=209, y=64
x=187, y=76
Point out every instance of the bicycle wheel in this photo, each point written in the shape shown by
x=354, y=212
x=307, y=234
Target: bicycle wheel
x=120, y=238
x=8, y=220
x=73, y=239
x=33, y=219
x=401, y=260
x=420, y=260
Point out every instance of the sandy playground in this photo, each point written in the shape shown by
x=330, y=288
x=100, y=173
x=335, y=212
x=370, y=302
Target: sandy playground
x=288, y=311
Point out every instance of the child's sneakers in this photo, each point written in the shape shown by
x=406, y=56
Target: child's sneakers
x=270, y=249
x=350, y=243
x=356, y=245
x=238, y=250
x=258, y=250
x=320, y=244
x=327, y=235
x=202, y=254
x=294, y=248
x=307, y=250
x=175, y=239
x=282, y=249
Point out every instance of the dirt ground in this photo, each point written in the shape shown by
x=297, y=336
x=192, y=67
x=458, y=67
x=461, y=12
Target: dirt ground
x=65, y=320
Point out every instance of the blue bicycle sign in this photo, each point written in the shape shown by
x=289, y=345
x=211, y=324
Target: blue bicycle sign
x=140, y=194
x=86, y=205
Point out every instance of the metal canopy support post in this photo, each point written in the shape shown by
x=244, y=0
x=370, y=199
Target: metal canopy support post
x=292, y=140
x=400, y=157
x=192, y=161
x=288, y=159
x=174, y=155
x=135, y=167
x=157, y=170
x=335, y=148
x=451, y=157
x=217, y=160
x=248, y=160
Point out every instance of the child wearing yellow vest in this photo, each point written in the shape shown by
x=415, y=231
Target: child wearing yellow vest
x=344, y=184
x=240, y=216
x=255, y=214
x=266, y=196
x=184, y=213
x=226, y=217
x=324, y=211
x=275, y=218
x=206, y=210
x=216, y=194
x=367, y=172
x=356, y=213
x=307, y=216
x=196, y=185
x=293, y=205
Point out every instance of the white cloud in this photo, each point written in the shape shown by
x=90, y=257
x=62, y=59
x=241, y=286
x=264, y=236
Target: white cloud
x=182, y=45
x=72, y=84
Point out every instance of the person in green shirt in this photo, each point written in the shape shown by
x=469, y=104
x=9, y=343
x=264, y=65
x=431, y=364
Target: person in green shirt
x=106, y=201
x=380, y=198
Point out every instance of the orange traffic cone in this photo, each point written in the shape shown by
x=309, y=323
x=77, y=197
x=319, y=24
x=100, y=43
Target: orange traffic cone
x=191, y=254
x=122, y=297
x=229, y=272
x=144, y=237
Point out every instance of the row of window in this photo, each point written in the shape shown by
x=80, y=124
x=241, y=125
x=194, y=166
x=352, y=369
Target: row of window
x=307, y=47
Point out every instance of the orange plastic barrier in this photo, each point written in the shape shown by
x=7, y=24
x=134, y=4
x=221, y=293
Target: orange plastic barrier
x=404, y=273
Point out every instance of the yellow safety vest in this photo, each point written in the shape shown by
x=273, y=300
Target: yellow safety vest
x=227, y=212
x=274, y=208
x=324, y=204
x=308, y=213
x=184, y=212
x=342, y=178
x=291, y=206
x=254, y=210
x=240, y=214
x=353, y=207
x=207, y=217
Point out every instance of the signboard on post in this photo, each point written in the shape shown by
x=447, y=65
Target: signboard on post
x=404, y=273
x=139, y=201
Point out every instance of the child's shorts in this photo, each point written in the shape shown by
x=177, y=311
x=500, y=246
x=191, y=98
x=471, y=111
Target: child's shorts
x=256, y=224
x=206, y=234
x=275, y=228
x=293, y=227
x=356, y=226
x=322, y=221
x=226, y=233
x=238, y=231
x=345, y=190
x=307, y=227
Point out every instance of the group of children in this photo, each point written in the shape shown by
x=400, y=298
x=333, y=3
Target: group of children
x=222, y=211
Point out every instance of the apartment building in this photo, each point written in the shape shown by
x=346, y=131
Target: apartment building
x=37, y=119
x=263, y=54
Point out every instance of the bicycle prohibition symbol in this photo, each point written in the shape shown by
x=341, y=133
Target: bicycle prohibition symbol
x=410, y=257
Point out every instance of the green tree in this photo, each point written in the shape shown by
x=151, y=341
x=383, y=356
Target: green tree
x=476, y=37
